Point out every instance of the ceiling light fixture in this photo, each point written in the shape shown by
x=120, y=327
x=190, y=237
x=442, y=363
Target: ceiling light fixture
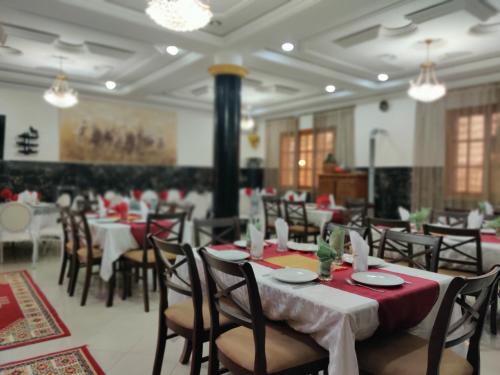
x=60, y=95
x=330, y=89
x=382, y=77
x=179, y=15
x=172, y=50
x=287, y=47
x=426, y=88
x=247, y=123
x=110, y=85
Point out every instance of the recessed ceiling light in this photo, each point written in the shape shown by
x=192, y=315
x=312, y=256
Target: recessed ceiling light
x=172, y=50
x=330, y=88
x=382, y=77
x=287, y=47
x=110, y=85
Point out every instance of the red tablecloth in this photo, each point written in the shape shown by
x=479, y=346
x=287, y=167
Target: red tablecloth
x=400, y=308
x=138, y=230
x=490, y=238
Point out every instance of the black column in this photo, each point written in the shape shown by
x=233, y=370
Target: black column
x=227, y=145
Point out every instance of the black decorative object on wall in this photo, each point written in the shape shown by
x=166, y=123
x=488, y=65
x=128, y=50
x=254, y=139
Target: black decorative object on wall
x=2, y=135
x=26, y=142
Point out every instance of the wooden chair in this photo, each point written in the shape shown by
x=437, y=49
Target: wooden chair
x=189, y=319
x=402, y=244
x=272, y=211
x=258, y=346
x=219, y=231
x=355, y=217
x=328, y=229
x=145, y=258
x=454, y=219
x=163, y=208
x=296, y=217
x=67, y=242
x=377, y=226
x=86, y=255
x=495, y=295
x=455, y=248
x=407, y=354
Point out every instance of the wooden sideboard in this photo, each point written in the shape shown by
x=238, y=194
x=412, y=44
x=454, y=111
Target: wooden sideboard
x=344, y=185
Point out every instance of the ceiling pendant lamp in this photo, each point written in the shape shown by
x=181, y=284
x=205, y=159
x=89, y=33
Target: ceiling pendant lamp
x=426, y=88
x=179, y=15
x=60, y=95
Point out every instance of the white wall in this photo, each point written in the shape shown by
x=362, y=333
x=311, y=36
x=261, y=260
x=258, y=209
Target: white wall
x=394, y=149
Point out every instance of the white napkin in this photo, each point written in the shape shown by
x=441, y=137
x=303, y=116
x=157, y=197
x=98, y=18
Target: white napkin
x=257, y=239
x=144, y=211
x=474, y=220
x=488, y=208
x=282, y=232
x=101, y=206
x=331, y=197
x=302, y=197
x=404, y=214
x=289, y=194
x=360, y=250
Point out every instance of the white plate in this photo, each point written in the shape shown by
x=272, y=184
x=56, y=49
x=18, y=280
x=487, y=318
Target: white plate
x=307, y=247
x=372, y=261
x=230, y=255
x=240, y=243
x=294, y=275
x=377, y=279
x=488, y=231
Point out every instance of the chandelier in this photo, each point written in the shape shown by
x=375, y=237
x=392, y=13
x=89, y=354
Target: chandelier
x=426, y=88
x=60, y=95
x=179, y=15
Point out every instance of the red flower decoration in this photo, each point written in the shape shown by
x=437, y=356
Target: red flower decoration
x=137, y=194
x=248, y=192
x=164, y=195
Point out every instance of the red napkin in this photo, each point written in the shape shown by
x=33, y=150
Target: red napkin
x=291, y=198
x=107, y=203
x=6, y=194
x=137, y=194
x=182, y=194
x=270, y=190
x=38, y=196
x=323, y=201
x=248, y=192
x=122, y=210
x=164, y=195
x=14, y=198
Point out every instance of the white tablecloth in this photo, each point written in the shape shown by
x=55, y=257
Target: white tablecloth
x=320, y=217
x=334, y=318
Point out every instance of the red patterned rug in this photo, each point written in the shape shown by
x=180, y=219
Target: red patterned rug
x=26, y=317
x=77, y=361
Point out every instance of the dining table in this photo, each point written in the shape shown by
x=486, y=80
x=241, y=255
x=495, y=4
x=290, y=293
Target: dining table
x=335, y=313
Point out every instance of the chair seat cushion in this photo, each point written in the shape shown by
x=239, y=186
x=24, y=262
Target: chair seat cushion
x=311, y=229
x=182, y=314
x=457, y=273
x=69, y=247
x=83, y=252
x=137, y=256
x=285, y=348
x=405, y=354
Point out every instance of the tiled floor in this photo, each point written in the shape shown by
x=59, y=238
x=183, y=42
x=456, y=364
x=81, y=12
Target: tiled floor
x=123, y=338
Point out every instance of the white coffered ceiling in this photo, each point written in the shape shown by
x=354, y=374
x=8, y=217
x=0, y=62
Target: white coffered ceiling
x=341, y=42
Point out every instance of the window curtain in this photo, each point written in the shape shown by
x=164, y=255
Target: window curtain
x=342, y=122
x=274, y=129
x=430, y=180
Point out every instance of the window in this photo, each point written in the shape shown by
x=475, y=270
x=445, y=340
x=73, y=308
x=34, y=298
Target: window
x=287, y=159
x=312, y=149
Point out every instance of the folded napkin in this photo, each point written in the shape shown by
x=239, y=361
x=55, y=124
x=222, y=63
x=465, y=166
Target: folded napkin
x=474, y=220
x=101, y=206
x=257, y=242
x=144, y=210
x=404, y=214
x=302, y=197
x=360, y=250
x=331, y=197
x=137, y=194
x=282, y=232
x=323, y=201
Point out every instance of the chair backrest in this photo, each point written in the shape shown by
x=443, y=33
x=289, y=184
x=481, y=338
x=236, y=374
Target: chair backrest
x=272, y=211
x=65, y=214
x=453, y=251
x=403, y=243
x=446, y=334
x=169, y=227
x=15, y=217
x=222, y=301
x=166, y=207
x=355, y=216
x=219, y=231
x=169, y=277
x=377, y=226
x=295, y=213
x=86, y=205
x=82, y=234
x=328, y=229
x=455, y=219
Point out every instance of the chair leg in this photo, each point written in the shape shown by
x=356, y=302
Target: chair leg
x=63, y=267
x=196, y=357
x=125, y=280
x=213, y=359
x=160, y=348
x=493, y=312
x=111, y=287
x=75, y=268
x=154, y=279
x=145, y=288
x=86, y=285
x=186, y=352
